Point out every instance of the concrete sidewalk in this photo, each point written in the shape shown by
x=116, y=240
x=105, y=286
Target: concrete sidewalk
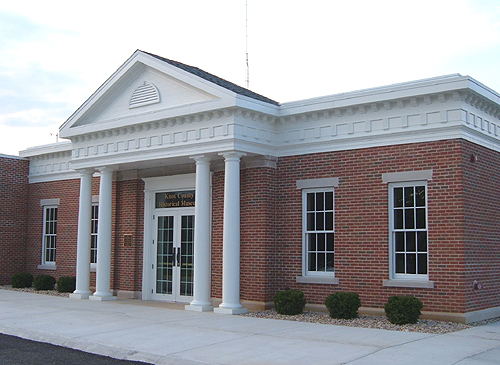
x=155, y=333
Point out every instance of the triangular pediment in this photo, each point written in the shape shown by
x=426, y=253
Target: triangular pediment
x=145, y=89
x=150, y=92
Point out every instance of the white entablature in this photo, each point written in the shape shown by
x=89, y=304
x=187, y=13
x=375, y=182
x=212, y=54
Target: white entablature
x=156, y=112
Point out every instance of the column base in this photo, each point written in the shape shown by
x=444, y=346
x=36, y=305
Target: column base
x=80, y=295
x=102, y=298
x=199, y=308
x=230, y=310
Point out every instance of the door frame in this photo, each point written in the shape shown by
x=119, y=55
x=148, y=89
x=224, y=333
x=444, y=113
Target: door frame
x=177, y=213
x=152, y=186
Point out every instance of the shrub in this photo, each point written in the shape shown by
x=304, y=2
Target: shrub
x=22, y=280
x=343, y=305
x=66, y=284
x=403, y=309
x=289, y=302
x=44, y=282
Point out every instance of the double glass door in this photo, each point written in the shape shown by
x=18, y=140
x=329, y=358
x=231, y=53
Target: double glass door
x=174, y=256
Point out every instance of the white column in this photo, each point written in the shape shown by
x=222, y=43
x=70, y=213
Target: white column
x=201, y=299
x=83, y=242
x=103, y=271
x=231, y=237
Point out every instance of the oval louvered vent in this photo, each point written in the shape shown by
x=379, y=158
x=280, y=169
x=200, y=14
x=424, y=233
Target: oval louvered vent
x=145, y=94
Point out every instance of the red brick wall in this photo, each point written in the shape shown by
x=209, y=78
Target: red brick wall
x=127, y=218
x=68, y=191
x=13, y=218
x=482, y=225
x=361, y=222
x=258, y=234
x=462, y=248
x=217, y=225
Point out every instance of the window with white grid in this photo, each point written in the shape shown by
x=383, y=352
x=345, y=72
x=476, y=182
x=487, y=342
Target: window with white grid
x=49, y=235
x=319, y=234
x=93, y=233
x=408, y=230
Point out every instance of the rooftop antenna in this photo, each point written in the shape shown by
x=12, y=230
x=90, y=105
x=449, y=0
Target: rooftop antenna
x=247, y=80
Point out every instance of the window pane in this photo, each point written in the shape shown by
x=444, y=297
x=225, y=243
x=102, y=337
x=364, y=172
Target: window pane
x=311, y=261
x=310, y=202
x=329, y=200
x=398, y=219
x=320, y=201
x=320, y=221
x=321, y=261
x=422, y=241
x=421, y=218
x=420, y=193
x=409, y=219
x=398, y=197
x=400, y=241
x=422, y=263
x=329, y=221
x=411, y=263
x=409, y=197
x=321, y=242
x=311, y=238
x=400, y=263
x=329, y=262
x=310, y=222
x=330, y=242
x=410, y=242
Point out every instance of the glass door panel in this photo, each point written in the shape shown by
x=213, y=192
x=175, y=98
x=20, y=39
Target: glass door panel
x=165, y=255
x=174, y=257
x=187, y=259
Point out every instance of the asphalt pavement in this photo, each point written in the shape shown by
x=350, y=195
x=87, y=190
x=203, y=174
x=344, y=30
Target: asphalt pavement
x=160, y=333
x=18, y=351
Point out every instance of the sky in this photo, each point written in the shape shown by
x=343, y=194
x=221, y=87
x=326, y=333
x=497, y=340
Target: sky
x=55, y=54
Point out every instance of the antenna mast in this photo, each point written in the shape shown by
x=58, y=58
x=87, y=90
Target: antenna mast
x=247, y=81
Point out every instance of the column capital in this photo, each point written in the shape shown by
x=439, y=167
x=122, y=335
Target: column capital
x=85, y=171
x=107, y=169
x=201, y=158
x=232, y=155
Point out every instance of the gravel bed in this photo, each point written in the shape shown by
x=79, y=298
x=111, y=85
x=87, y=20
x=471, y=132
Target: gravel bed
x=365, y=321
x=53, y=293
x=378, y=322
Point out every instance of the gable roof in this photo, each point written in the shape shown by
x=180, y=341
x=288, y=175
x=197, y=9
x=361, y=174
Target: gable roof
x=215, y=79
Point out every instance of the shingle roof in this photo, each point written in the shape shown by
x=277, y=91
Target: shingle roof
x=216, y=80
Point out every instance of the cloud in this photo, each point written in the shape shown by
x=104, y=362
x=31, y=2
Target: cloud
x=32, y=94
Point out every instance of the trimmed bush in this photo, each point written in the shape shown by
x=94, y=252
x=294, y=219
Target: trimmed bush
x=403, y=309
x=22, y=280
x=66, y=284
x=44, y=282
x=343, y=305
x=289, y=302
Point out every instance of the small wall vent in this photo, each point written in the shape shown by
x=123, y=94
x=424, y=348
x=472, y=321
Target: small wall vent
x=146, y=94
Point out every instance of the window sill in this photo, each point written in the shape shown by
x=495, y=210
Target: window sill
x=47, y=267
x=409, y=284
x=317, y=280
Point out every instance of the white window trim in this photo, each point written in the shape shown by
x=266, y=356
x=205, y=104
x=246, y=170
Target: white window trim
x=47, y=204
x=307, y=186
x=407, y=176
x=95, y=202
x=406, y=280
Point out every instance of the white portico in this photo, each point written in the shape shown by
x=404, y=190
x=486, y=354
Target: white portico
x=170, y=125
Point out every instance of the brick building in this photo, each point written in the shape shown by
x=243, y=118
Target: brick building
x=177, y=185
